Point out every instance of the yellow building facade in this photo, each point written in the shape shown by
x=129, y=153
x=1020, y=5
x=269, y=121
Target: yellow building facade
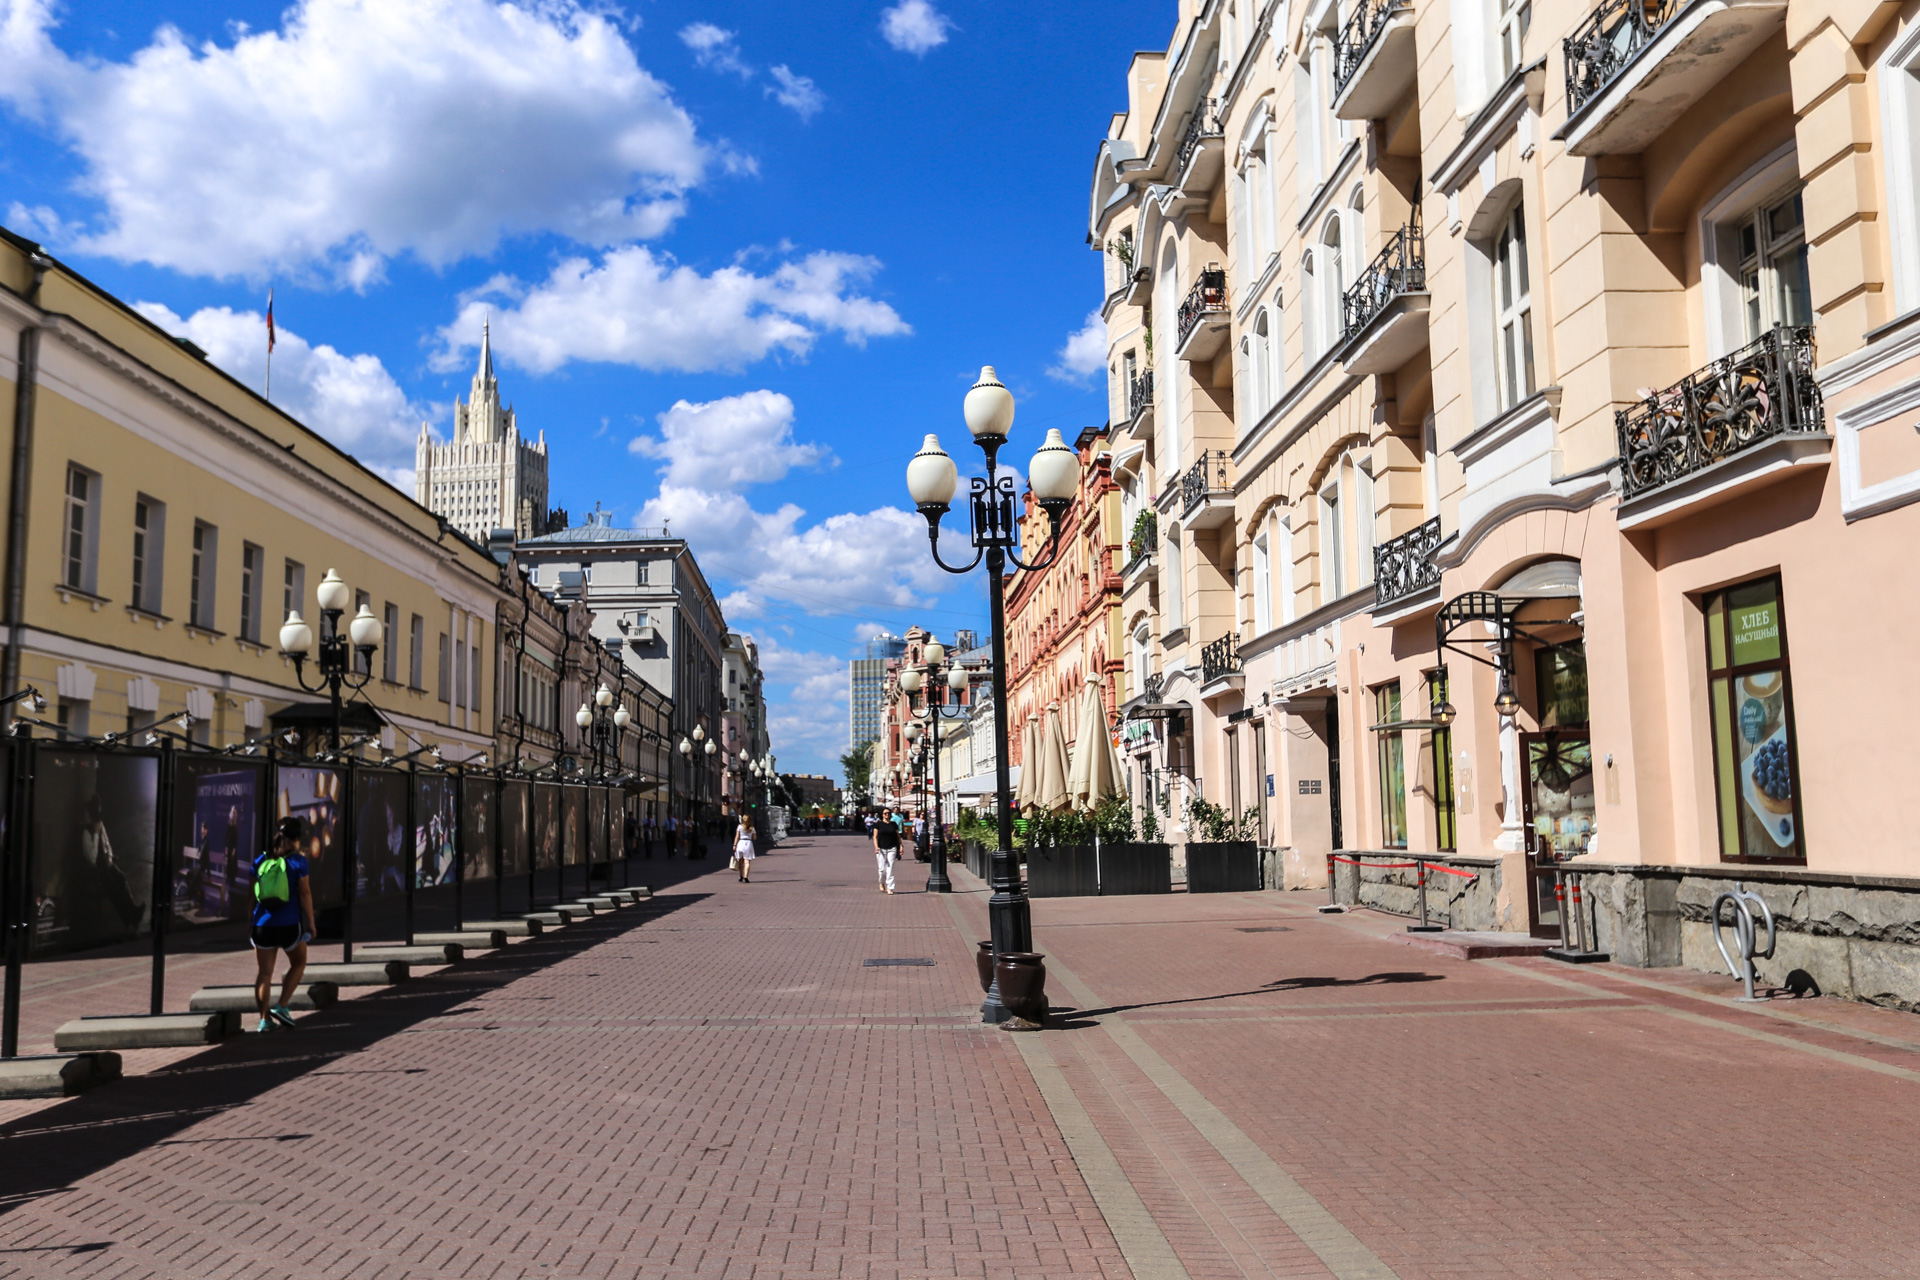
x=172, y=519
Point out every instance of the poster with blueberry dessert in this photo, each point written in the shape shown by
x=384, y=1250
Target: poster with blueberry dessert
x=1766, y=765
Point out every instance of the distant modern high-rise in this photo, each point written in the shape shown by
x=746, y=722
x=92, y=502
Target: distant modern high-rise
x=865, y=678
x=489, y=477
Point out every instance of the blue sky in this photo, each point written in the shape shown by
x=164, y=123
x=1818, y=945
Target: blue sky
x=739, y=257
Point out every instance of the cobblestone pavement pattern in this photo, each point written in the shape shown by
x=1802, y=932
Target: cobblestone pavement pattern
x=715, y=1084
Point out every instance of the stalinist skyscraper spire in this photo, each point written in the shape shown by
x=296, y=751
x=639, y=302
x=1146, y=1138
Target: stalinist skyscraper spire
x=488, y=478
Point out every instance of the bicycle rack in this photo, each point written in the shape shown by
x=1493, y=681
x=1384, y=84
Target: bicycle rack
x=1577, y=942
x=1745, y=935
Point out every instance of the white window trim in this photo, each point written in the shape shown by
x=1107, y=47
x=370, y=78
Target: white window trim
x=1726, y=325
x=1899, y=75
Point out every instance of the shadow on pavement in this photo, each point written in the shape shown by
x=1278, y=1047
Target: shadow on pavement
x=46, y=1153
x=1079, y=1017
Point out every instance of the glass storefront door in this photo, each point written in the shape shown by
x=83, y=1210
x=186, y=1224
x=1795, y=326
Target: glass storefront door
x=1559, y=815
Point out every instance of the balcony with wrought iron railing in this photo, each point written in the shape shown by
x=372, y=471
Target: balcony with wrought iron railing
x=1403, y=567
x=1203, y=317
x=1205, y=125
x=1374, y=60
x=1140, y=544
x=1734, y=425
x=1634, y=66
x=1206, y=490
x=1383, y=316
x=1220, y=660
x=1139, y=395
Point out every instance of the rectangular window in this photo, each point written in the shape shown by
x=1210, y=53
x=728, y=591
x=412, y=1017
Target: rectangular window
x=390, y=662
x=1515, y=17
x=251, y=560
x=1750, y=698
x=1363, y=523
x=642, y=573
x=459, y=673
x=1773, y=267
x=149, y=552
x=1440, y=758
x=1333, y=552
x=294, y=592
x=446, y=667
x=1393, y=768
x=416, y=652
x=1513, y=300
x=206, y=556
x=1262, y=587
x=78, y=527
x=473, y=673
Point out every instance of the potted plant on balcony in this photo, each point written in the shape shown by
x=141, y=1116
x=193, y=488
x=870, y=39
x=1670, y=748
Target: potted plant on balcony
x=1145, y=532
x=1225, y=859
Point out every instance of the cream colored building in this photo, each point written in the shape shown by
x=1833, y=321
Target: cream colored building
x=173, y=519
x=1586, y=340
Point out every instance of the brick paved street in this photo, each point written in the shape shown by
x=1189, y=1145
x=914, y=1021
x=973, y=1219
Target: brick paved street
x=713, y=1084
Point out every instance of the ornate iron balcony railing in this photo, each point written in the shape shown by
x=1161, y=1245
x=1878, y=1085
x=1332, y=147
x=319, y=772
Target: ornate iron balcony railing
x=1607, y=41
x=1761, y=391
x=1209, y=293
x=1143, y=536
x=1404, y=566
x=1368, y=20
x=1221, y=658
x=1399, y=268
x=1205, y=123
x=1207, y=475
x=1139, y=395
x=1153, y=687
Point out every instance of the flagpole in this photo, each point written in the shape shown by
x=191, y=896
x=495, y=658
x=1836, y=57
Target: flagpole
x=267, y=395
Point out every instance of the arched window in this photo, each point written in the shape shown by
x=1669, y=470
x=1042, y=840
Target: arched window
x=1333, y=276
x=1262, y=393
x=1275, y=378
x=1173, y=605
x=1166, y=380
x=1310, y=327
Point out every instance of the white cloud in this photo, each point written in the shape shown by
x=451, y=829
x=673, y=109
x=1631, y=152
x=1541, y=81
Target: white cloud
x=640, y=308
x=1085, y=353
x=730, y=443
x=359, y=131
x=795, y=91
x=350, y=399
x=915, y=26
x=806, y=701
x=715, y=48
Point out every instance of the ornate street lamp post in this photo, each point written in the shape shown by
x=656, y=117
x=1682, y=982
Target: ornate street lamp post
x=1053, y=476
x=336, y=668
x=603, y=728
x=913, y=680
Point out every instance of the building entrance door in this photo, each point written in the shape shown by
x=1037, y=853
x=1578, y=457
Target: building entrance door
x=1559, y=816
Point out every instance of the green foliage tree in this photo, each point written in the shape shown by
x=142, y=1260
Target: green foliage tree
x=856, y=766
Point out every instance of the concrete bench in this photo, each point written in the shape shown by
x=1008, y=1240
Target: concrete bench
x=621, y=895
x=59, y=1075
x=471, y=939
x=361, y=973
x=440, y=953
x=146, y=1031
x=550, y=919
x=580, y=910
x=510, y=928
x=308, y=995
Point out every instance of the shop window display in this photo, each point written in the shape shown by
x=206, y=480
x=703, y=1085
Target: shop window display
x=1750, y=700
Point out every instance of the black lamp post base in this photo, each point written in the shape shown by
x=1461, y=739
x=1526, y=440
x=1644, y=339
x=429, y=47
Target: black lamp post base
x=992, y=1012
x=937, y=881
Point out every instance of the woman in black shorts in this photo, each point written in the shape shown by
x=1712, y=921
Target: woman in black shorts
x=282, y=925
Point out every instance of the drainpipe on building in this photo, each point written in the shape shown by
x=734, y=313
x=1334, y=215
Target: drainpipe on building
x=28, y=379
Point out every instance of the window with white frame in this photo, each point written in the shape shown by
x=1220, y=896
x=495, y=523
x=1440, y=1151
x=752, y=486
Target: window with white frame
x=1260, y=362
x=1283, y=556
x=79, y=530
x=293, y=588
x=1142, y=658
x=1333, y=280
x=1166, y=381
x=252, y=568
x=1363, y=522
x=1333, y=550
x=1172, y=606
x=1513, y=311
x=206, y=552
x=149, y=552
x=1899, y=80
x=1313, y=340
x=1511, y=33
x=390, y=651
x=1262, y=587
x=1773, y=267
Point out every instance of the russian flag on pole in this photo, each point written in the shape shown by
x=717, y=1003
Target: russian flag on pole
x=269, y=321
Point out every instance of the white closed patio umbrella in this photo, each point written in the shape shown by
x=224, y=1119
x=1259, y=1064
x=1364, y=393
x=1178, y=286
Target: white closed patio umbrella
x=1096, y=772
x=1029, y=763
x=1050, y=792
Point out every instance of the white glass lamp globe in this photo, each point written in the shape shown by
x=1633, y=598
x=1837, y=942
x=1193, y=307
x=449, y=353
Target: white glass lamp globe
x=911, y=680
x=333, y=594
x=711, y=748
x=931, y=475
x=1054, y=472
x=583, y=717
x=988, y=408
x=935, y=653
x=295, y=635
x=913, y=733
x=603, y=696
x=957, y=679
x=365, y=629
x=622, y=718
x=699, y=733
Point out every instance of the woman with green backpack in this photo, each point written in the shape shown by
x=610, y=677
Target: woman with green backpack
x=282, y=920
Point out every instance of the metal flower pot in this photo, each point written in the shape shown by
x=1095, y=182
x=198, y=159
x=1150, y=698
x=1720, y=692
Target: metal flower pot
x=1022, y=976
x=983, y=961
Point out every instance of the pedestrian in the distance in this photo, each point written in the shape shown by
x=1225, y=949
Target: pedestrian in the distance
x=743, y=848
x=282, y=920
x=886, y=848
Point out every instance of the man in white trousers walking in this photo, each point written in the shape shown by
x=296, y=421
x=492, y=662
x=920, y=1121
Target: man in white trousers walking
x=886, y=847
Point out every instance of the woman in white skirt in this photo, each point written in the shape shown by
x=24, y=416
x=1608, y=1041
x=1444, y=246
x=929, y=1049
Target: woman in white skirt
x=743, y=848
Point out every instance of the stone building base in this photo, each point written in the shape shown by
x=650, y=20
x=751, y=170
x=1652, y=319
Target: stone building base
x=1857, y=936
x=1466, y=901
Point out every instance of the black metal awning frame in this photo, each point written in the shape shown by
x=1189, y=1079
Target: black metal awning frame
x=1497, y=611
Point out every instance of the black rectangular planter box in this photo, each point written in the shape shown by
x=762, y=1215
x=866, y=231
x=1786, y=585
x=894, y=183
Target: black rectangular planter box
x=1228, y=866
x=1135, y=868
x=1061, y=871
